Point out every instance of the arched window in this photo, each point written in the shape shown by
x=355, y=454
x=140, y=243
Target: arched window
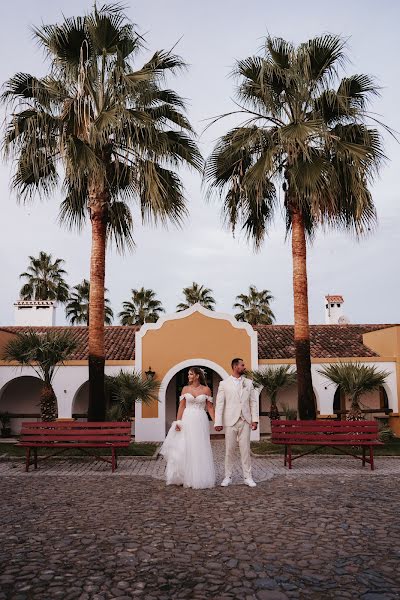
x=339, y=404
x=383, y=399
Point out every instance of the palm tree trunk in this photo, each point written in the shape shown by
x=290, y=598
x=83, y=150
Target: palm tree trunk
x=274, y=412
x=355, y=413
x=97, y=401
x=306, y=404
x=48, y=403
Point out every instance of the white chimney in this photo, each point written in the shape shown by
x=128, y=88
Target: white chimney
x=35, y=313
x=334, y=310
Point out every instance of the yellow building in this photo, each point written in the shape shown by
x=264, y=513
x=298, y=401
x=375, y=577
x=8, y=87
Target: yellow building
x=201, y=337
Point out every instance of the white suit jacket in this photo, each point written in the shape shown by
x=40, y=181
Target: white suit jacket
x=234, y=400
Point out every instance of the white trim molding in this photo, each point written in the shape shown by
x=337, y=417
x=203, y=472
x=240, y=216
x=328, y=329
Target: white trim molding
x=186, y=313
x=155, y=427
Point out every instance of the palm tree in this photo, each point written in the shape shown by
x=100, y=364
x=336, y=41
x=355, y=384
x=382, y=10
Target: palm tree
x=112, y=132
x=274, y=379
x=308, y=133
x=45, y=353
x=197, y=294
x=355, y=380
x=142, y=308
x=127, y=388
x=77, y=307
x=44, y=279
x=254, y=307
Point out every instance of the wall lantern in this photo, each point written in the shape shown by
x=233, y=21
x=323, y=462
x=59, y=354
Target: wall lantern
x=149, y=373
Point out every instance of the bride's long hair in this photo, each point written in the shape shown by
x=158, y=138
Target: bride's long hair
x=201, y=373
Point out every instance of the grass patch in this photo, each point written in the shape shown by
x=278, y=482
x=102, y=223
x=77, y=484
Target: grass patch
x=132, y=450
x=265, y=448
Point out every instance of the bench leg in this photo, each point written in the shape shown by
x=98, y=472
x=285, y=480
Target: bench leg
x=28, y=459
x=371, y=457
x=363, y=456
x=290, y=457
x=35, y=457
x=113, y=459
x=285, y=461
x=116, y=458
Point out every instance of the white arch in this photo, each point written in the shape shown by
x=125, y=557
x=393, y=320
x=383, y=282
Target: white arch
x=76, y=395
x=153, y=429
x=185, y=364
x=187, y=313
x=3, y=389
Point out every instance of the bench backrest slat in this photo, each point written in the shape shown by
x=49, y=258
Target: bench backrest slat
x=75, y=432
x=76, y=424
x=330, y=431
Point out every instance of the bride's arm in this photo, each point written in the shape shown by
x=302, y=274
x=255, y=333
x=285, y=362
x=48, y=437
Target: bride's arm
x=210, y=405
x=181, y=409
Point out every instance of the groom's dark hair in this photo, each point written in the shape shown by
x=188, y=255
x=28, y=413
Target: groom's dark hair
x=235, y=362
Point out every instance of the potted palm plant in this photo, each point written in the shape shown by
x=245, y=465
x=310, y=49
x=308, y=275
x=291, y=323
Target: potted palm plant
x=124, y=390
x=355, y=379
x=45, y=353
x=274, y=379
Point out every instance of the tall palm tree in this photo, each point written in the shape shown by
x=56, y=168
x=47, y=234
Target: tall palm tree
x=254, y=307
x=274, y=379
x=307, y=132
x=197, y=294
x=142, y=308
x=355, y=380
x=44, y=279
x=77, y=307
x=45, y=353
x=112, y=132
x=125, y=390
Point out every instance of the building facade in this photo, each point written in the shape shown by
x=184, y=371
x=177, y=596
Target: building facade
x=208, y=339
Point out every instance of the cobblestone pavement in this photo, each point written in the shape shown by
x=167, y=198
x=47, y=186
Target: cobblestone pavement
x=263, y=468
x=322, y=532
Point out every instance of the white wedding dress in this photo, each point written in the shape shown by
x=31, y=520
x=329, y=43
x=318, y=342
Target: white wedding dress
x=188, y=452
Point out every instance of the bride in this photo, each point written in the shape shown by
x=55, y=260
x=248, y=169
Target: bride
x=187, y=447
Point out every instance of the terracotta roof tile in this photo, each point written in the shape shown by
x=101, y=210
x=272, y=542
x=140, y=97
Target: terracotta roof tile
x=334, y=298
x=327, y=341
x=274, y=341
x=119, y=340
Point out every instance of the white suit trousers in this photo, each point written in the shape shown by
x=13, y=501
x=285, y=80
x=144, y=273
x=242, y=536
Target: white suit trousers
x=239, y=432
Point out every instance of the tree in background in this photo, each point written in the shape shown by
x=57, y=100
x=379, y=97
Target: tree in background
x=306, y=132
x=273, y=380
x=143, y=307
x=45, y=279
x=355, y=380
x=77, y=307
x=45, y=353
x=197, y=294
x=125, y=389
x=113, y=132
x=254, y=307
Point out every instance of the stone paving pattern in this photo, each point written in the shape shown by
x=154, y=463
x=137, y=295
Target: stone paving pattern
x=328, y=530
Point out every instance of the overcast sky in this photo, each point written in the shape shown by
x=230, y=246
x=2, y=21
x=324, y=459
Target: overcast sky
x=212, y=35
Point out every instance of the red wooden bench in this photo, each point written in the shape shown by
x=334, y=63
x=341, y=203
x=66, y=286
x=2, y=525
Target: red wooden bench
x=335, y=434
x=64, y=435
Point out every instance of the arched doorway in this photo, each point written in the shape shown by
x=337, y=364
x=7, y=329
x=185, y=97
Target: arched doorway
x=169, y=388
x=80, y=402
x=20, y=397
x=174, y=391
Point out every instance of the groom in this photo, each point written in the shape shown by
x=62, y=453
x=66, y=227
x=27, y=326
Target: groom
x=236, y=410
